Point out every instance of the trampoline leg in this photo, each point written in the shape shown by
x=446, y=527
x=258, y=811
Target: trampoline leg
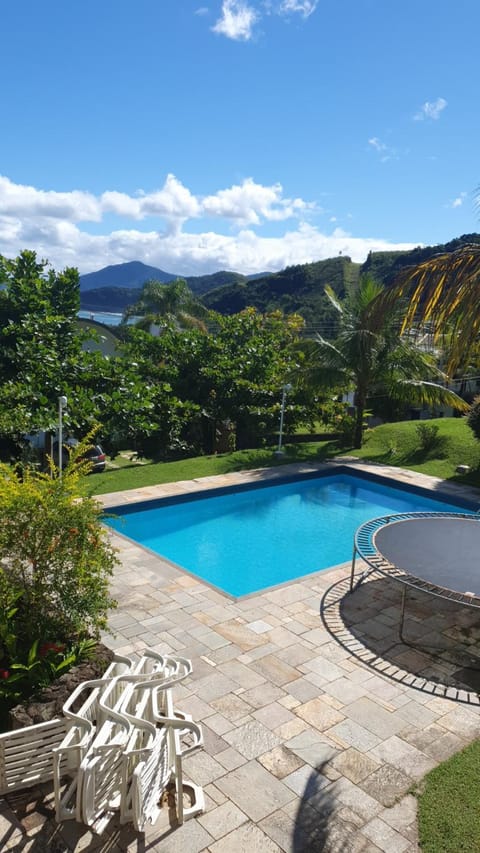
x=352, y=573
x=402, y=614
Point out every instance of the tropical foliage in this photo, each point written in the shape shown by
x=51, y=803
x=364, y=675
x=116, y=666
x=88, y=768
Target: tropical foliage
x=56, y=561
x=370, y=356
x=172, y=303
x=444, y=292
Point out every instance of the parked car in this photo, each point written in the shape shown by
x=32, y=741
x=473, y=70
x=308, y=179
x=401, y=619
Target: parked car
x=94, y=454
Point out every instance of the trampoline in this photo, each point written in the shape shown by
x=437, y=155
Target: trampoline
x=437, y=553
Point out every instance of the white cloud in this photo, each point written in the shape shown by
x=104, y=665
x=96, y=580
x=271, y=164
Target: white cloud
x=386, y=152
x=18, y=199
x=203, y=10
x=50, y=223
x=249, y=203
x=458, y=201
x=304, y=7
x=237, y=20
x=431, y=109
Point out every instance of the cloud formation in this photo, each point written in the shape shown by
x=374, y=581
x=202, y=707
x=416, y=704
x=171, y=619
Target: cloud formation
x=431, y=110
x=65, y=227
x=237, y=20
x=385, y=152
x=304, y=7
x=458, y=201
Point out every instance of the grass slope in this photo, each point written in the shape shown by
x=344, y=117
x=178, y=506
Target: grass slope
x=448, y=807
x=392, y=444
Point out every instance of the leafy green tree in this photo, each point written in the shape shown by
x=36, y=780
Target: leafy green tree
x=371, y=357
x=172, y=303
x=40, y=345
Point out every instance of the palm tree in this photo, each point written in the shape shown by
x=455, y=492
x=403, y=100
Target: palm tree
x=444, y=292
x=370, y=356
x=170, y=303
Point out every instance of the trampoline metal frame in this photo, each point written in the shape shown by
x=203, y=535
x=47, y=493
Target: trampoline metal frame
x=364, y=547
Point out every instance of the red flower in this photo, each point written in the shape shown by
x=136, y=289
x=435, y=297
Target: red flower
x=45, y=648
x=4, y=673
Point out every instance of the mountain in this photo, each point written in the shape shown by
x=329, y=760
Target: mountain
x=115, y=287
x=131, y=274
x=299, y=288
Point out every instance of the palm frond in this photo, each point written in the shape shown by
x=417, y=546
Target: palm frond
x=444, y=289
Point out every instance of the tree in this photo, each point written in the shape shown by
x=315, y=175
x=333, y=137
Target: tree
x=172, y=303
x=370, y=356
x=444, y=292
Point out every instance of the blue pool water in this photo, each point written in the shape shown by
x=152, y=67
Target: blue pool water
x=246, y=540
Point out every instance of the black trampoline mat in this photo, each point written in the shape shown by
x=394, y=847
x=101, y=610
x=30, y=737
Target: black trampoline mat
x=441, y=551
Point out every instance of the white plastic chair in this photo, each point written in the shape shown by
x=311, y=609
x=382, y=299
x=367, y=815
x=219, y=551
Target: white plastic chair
x=127, y=729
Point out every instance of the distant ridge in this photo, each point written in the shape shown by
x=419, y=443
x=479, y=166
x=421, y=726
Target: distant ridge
x=131, y=274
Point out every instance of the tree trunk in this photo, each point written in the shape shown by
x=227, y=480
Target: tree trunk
x=358, y=433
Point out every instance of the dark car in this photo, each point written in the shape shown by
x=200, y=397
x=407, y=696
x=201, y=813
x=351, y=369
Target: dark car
x=94, y=454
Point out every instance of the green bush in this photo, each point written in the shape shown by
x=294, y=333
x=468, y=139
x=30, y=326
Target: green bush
x=473, y=417
x=56, y=561
x=428, y=435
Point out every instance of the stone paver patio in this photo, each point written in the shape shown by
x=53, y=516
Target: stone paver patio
x=317, y=720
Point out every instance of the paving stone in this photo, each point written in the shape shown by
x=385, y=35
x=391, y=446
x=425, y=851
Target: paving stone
x=230, y=758
x=386, y=784
x=303, y=689
x=222, y=820
x=275, y=670
x=375, y=719
x=462, y=722
x=346, y=691
x=273, y=715
x=401, y=815
x=247, y=837
x=291, y=729
x=319, y=714
x=405, y=757
x=312, y=747
x=354, y=765
x=189, y=836
x=252, y=739
x=201, y=768
x=385, y=837
x=307, y=782
x=350, y=733
x=255, y=791
x=263, y=695
x=213, y=686
x=231, y=706
x=280, y=761
x=355, y=798
x=239, y=634
x=243, y=676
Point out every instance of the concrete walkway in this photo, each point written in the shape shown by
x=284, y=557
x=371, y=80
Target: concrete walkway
x=317, y=721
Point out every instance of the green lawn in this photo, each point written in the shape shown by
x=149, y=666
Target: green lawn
x=449, y=805
x=392, y=444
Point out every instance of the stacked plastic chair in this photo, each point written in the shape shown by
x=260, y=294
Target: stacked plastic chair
x=125, y=745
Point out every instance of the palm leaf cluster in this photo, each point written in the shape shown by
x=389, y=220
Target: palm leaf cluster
x=443, y=292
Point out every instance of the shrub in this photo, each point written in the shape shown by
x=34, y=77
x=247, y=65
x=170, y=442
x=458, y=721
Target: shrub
x=428, y=436
x=473, y=417
x=56, y=560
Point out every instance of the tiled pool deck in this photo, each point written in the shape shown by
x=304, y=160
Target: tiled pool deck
x=317, y=720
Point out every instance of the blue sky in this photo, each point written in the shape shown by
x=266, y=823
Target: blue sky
x=199, y=135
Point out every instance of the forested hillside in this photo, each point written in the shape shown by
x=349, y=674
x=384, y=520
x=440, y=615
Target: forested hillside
x=296, y=289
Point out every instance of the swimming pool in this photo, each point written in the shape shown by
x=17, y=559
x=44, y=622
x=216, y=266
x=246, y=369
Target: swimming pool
x=245, y=539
